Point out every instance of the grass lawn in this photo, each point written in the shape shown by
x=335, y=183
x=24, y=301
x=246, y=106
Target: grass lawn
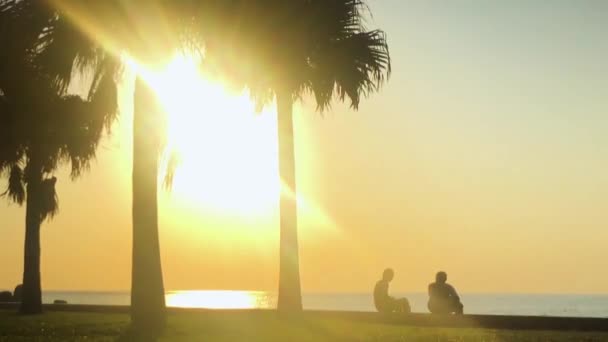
x=256, y=326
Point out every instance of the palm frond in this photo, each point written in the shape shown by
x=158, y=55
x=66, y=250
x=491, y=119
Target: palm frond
x=49, y=202
x=352, y=67
x=64, y=49
x=103, y=94
x=16, y=186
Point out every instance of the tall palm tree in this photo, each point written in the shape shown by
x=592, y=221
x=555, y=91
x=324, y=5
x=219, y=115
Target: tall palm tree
x=291, y=48
x=41, y=126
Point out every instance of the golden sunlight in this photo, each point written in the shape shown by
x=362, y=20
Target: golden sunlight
x=228, y=153
x=217, y=299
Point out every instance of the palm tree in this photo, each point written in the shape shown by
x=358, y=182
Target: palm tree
x=150, y=49
x=42, y=127
x=315, y=46
x=149, y=31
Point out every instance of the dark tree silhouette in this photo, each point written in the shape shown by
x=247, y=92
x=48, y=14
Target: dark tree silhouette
x=319, y=47
x=41, y=126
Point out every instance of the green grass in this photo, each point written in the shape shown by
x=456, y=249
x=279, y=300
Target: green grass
x=257, y=326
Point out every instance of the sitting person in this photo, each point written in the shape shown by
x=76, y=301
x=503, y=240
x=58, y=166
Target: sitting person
x=443, y=298
x=385, y=303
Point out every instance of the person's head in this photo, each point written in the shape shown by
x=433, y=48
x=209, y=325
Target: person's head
x=388, y=274
x=441, y=277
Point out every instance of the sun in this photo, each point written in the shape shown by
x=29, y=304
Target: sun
x=227, y=151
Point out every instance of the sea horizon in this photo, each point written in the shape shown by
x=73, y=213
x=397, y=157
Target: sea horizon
x=519, y=304
x=339, y=292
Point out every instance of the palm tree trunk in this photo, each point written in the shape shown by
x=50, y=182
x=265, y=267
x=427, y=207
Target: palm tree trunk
x=290, y=296
x=31, y=302
x=147, y=290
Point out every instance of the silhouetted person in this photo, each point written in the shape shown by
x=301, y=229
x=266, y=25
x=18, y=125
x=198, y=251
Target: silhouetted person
x=382, y=300
x=443, y=298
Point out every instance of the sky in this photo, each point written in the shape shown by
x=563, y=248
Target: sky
x=485, y=155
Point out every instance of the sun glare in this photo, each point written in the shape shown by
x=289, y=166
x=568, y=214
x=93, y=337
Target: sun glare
x=220, y=299
x=227, y=151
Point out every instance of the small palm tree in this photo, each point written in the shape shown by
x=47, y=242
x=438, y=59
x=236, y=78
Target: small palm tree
x=41, y=127
x=286, y=49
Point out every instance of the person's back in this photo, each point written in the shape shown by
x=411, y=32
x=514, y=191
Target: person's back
x=381, y=297
x=442, y=291
x=443, y=297
x=383, y=301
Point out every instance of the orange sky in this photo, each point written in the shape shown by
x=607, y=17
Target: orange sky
x=485, y=156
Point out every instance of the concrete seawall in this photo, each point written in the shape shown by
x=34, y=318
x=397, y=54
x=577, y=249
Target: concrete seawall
x=414, y=319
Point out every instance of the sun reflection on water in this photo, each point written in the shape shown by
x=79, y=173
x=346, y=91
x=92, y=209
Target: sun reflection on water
x=220, y=299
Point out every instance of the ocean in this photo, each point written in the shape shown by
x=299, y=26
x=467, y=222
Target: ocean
x=493, y=304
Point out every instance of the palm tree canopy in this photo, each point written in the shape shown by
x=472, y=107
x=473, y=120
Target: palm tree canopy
x=38, y=118
x=148, y=31
x=316, y=46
